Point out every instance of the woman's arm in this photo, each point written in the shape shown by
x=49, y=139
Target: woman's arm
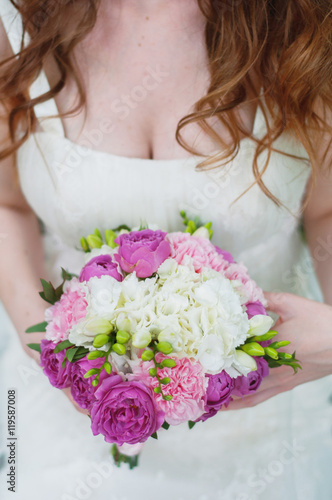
x=21, y=249
x=21, y=254
x=306, y=323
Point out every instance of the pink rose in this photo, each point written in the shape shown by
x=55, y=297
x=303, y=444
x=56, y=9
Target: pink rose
x=199, y=252
x=67, y=312
x=142, y=251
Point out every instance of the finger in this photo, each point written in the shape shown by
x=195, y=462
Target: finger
x=255, y=399
x=278, y=303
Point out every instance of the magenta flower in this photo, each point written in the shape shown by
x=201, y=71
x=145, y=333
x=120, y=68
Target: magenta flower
x=100, y=266
x=81, y=388
x=254, y=308
x=52, y=365
x=142, y=251
x=125, y=412
x=250, y=383
x=218, y=393
x=226, y=255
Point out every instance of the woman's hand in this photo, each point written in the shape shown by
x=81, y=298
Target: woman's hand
x=308, y=326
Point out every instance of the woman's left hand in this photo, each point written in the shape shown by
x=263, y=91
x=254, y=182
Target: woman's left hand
x=308, y=326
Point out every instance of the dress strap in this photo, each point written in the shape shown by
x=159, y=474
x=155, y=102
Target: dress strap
x=12, y=23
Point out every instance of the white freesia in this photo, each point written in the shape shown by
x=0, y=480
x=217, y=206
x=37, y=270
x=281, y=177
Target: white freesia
x=83, y=333
x=242, y=364
x=259, y=325
x=202, y=232
x=141, y=338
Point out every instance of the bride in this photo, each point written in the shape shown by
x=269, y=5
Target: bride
x=116, y=111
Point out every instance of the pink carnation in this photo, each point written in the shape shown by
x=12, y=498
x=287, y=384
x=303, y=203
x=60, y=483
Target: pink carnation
x=200, y=252
x=67, y=312
x=236, y=271
x=187, y=386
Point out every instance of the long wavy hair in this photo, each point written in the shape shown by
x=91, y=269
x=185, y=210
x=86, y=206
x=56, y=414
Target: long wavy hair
x=286, y=43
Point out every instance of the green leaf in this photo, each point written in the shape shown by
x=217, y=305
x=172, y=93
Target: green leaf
x=119, y=228
x=71, y=353
x=59, y=291
x=40, y=327
x=165, y=425
x=42, y=294
x=49, y=291
x=35, y=347
x=66, y=276
x=191, y=424
x=63, y=345
x=154, y=435
x=64, y=360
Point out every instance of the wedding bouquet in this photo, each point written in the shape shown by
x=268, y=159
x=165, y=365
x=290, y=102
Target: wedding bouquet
x=157, y=330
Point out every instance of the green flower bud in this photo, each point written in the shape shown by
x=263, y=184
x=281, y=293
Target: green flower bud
x=277, y=345
x=165, y=347
x=107, y=367
x=96, y=354
x=253, y=349
x=272, y=353
x=95, y=382
x=100, y=340
x=285, y=355
x=191, y=227
x=94, y=241
x=93, y=371
x=267, y=336
x=147, y=355
x=153, y=372
x=165, y=380
x=98, y=233
x=168, y=397
x=168, y=363
x=122, y=337
x=84, y=245
x=110, y=237
x=157, y=390
x=119, y=349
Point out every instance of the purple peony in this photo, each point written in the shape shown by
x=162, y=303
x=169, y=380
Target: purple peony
x=254, y=308
x=250, y=383
x=52, y=365
x=81, y=388
x=125, y=412
x=100, y=266
x=218, y=393
x=142, y=251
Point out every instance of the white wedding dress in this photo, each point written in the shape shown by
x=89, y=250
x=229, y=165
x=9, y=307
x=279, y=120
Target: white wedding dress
x=281, y=448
